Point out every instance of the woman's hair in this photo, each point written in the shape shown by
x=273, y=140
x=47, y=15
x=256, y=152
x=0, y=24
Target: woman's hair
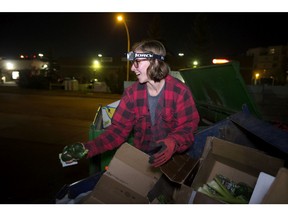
x=157, y=69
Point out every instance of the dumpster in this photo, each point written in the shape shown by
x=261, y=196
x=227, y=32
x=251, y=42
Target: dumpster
x=241, y=128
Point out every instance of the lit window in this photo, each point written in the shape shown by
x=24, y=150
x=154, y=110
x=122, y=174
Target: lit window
x=15, y=75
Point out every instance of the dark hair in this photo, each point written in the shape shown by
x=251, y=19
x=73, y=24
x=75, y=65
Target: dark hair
x=157, y=69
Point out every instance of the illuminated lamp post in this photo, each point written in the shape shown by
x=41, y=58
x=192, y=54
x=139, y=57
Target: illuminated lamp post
x=121, y=19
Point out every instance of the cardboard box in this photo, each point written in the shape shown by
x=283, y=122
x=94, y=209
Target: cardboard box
x=180, y=169
x=128, y=180
x=237, y=162
x=278, y=192
x=131, y=179
x=178, y=174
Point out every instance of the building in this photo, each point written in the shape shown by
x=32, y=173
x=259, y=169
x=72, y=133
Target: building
x=270, y=65
x=11, y=68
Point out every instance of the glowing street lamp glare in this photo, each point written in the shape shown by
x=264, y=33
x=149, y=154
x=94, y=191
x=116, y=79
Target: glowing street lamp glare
x=119, y=18
x=96, y=64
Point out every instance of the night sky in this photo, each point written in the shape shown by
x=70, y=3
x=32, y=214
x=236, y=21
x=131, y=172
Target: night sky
x=87, y=34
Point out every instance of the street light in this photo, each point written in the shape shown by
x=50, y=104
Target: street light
x=195, y=63
x=121, y=19
x=95, y=66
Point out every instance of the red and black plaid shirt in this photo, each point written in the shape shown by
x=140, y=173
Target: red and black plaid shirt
x=176, y=118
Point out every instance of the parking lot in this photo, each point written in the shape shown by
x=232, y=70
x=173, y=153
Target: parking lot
x=34, y=128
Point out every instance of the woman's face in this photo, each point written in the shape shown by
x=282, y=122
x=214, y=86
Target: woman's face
x=139, y=66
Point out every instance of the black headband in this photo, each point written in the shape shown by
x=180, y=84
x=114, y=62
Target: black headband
x=131, y=56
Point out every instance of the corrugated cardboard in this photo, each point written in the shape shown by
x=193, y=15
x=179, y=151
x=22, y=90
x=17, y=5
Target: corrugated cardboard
x=178, y=173
x=131, y=179
x=128, y=180
x=237, y=162
x=180, y=168
x=278, y=192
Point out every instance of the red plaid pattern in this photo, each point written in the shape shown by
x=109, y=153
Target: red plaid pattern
x=176, y=118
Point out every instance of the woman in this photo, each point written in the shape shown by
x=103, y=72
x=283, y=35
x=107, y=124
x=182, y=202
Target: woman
x=159, y=110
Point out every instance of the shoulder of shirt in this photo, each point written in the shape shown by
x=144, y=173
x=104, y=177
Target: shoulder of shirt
x=175, y=81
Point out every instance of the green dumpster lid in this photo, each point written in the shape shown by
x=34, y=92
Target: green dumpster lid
x=218, y=90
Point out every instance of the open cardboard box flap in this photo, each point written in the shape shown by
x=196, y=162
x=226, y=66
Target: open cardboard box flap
x=179, y=168
x=174, y=185
x=278, y=192
x=128, y=179
x=132, y=167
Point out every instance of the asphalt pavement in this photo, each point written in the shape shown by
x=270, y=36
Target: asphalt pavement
x=35, y=126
